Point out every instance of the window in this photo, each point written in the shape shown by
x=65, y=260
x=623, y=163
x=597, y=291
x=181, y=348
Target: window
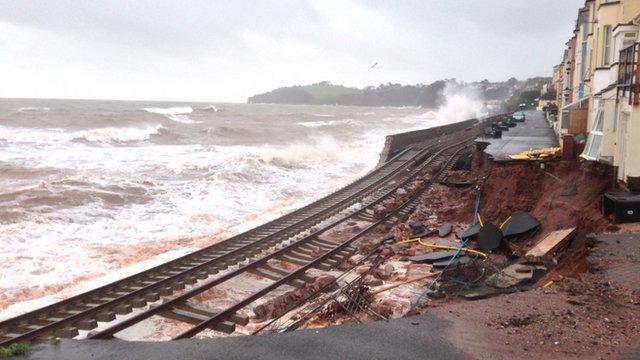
x=607, y=45
x=564, y=122
x=592, y=148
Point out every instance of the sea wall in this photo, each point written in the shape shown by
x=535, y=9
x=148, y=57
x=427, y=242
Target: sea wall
x=397, y=142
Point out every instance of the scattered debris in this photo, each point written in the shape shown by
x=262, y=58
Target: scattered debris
x=470, y=233
x=539, y=154
x=433, y=256
x=281, y=304
x=465, y=259
x=510, y=276
x=570, y=191
x=445, y=229
x=518, y=223
x=550, y=244
x=489, y=237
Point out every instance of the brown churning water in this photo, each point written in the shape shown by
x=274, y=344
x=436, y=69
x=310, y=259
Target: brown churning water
x=82, y=180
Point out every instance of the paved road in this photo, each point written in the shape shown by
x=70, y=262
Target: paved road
x=533, y=133
x=415, y=338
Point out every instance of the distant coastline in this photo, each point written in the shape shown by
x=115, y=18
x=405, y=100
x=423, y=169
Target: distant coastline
x=422, y=95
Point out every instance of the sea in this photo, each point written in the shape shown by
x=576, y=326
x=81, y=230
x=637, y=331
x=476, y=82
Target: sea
x=95, y=190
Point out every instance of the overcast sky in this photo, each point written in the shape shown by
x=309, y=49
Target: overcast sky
x=228, y=50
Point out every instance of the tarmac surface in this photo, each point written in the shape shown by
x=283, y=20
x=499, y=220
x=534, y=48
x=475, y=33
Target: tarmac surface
x=533, y=133
x=418, y=337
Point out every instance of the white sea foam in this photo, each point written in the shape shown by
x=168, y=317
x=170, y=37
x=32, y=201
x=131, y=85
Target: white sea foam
x=324, y=115
x=210, y=108
x=314, y=124
x=129, y=191
x=57, y=135
x=176, y=113
x=175, y=110
x=33, y=108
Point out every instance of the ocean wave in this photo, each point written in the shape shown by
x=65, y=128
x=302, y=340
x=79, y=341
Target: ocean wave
x=314, y=124
x=113, y=134
x=33, y=108
x=324, y=115
x=318, y=150
x=210, y=108
x=175, y=110
x=56, y=135
x=176, y=113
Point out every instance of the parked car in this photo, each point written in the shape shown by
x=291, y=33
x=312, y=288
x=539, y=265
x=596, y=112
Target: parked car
x=518, y=116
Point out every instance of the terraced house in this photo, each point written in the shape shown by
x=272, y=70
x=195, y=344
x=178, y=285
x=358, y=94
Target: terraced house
x=598, y=87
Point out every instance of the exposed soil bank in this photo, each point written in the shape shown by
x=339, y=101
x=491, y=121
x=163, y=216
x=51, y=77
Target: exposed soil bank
x=587, y=303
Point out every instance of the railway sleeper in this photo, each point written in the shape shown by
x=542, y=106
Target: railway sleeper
x=239, y=319
x=326, y=265
x=188, y=317
x=106, y=316
x=298, y=283
x=293, y=260
x=299, y=255
x=86, y=324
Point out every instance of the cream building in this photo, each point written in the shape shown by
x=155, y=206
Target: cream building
x=604, y=89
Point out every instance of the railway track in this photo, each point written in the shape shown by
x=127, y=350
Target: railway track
x=165, y=289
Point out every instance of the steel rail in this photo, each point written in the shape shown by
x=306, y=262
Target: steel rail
x=300, y=271
x=46, y=312
x=107, y=333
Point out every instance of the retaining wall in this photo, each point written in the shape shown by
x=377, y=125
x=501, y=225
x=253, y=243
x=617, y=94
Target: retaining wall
x=397, y=142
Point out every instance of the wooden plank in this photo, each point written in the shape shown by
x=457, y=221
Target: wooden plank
x=550, y=244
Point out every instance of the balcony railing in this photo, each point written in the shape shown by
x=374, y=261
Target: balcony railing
x=629, y=74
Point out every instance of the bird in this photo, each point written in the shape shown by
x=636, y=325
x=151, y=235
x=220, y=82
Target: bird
x=374, y=65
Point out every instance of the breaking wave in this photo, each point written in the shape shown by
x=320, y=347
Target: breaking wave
x=56, y=135
x=175, y=110
x=33, y=108
x=176, y=113
x=314, y=124
x=210, y=108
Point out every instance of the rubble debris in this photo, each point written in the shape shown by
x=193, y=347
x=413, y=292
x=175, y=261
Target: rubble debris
x=518, y=223
x=378, y=291
x=425, y=234
x=511, y=275
x=449, y=262
x=570, y=191
x=550, y=244
x=470, y=233
x=481, y=292
x=281, y=304
x=432, y=256
x=401, y=232
x=445, y=229
x=385, y=271
x=416, y=226
x=402, y=195
x=370, y=280
x=489, y=237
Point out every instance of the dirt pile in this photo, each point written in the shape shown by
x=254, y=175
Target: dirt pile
x=559, y=195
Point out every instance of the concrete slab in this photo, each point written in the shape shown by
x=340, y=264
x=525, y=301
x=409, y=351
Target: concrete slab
x=418, y=337
x=534, y=133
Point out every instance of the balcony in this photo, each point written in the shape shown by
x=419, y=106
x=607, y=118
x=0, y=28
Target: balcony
x=629, y=74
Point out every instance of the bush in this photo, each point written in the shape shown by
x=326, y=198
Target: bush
x=14, y=350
